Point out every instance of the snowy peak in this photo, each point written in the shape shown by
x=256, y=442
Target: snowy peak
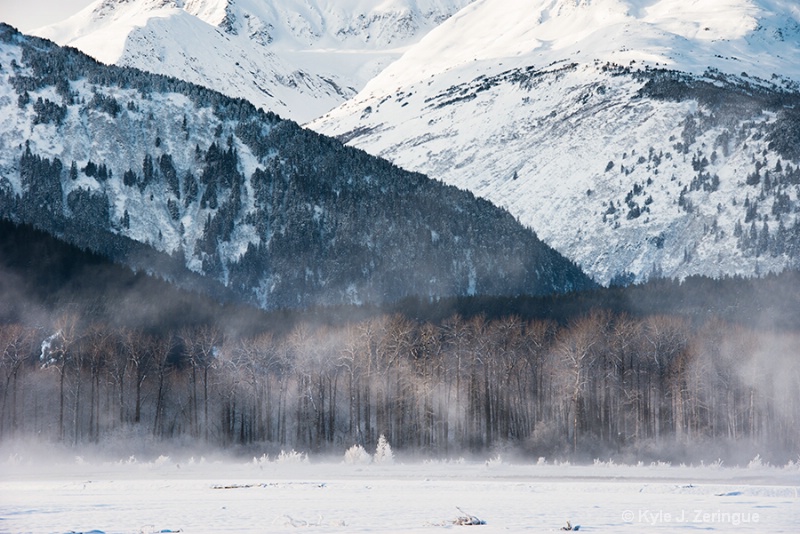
x=374, y=23
x=760, y=36
x=298, y=58
x=104, y=26
x=348, y=23
x=631, y=135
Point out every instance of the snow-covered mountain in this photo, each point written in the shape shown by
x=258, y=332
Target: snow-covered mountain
x=297, y=58
x=167, y=176
x=635, y=136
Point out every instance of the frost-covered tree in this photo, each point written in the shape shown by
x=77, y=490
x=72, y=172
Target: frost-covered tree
x=357, y=455
x=383, y=452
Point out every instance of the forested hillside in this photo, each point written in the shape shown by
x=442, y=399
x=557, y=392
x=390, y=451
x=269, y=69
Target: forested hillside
x=177, y=266
x=185, y=183
x=663, y=371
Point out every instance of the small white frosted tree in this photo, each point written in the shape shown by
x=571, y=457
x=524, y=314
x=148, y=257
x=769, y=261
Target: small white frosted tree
x=383, y=452
x=357, y=455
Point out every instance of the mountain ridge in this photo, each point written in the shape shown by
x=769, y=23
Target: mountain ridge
x=538, y=119
x=634, y=168
x=297, y=59
x=165, y=175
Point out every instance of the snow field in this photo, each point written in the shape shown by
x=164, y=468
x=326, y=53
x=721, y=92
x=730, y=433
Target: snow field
x=290, y=494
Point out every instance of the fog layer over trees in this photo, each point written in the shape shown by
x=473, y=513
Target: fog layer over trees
x=603, y=385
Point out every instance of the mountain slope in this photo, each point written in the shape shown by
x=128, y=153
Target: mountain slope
x=295, y=58
x=191, y=185
x=633, y=136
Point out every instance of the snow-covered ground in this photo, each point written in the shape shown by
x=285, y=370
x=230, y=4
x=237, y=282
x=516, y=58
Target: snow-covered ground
x=286, y=495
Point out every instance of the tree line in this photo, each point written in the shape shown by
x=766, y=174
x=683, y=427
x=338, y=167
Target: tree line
x=603, y=383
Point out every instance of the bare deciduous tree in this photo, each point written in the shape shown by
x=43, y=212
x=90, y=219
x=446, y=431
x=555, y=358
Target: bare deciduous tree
x=15, y=349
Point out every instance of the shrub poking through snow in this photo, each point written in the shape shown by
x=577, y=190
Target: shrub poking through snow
x=292, y=457
x=383, y=452
x=497, y=461
x=357, y=455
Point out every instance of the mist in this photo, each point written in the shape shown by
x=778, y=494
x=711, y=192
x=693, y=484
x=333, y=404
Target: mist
x=603, y=385
x=96, y=357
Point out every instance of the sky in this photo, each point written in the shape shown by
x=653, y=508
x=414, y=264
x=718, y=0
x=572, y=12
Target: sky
x=30, y=14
